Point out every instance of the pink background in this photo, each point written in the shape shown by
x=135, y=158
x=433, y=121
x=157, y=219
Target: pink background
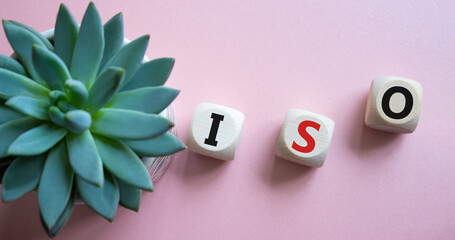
x=263, y=58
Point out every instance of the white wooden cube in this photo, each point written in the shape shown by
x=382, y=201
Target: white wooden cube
x=215, y=131
x=305, y=138
x=394, y=104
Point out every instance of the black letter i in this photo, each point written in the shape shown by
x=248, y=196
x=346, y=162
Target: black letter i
x=214, y=129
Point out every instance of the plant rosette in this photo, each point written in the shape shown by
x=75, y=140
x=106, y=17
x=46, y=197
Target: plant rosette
x=77, y=114
x=156, y=165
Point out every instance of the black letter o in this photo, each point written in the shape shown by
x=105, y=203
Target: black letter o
x=408, y=102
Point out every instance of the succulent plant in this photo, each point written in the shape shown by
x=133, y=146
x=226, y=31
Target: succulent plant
x=76, y=114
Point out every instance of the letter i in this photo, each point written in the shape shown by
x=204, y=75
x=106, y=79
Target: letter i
x=211, y=140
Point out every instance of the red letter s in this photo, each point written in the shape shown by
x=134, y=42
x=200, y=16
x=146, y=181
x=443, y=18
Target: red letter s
x=308, y=138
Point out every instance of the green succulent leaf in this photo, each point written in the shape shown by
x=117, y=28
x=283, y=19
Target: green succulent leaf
x=37, y=140
x=12, y=65
x=22, y=40
x=8, y=114
x=37, y=34
x=57, y=116
x=13, y=84
x=56, y=95
x=11, y=130
x=88, y=50
x=151, y=74
x=66, y=106
x=77, y=93
x=146, y=100
x=50, y=67
x=65, y=35
x=84, y=157
x=55, y=185
x=77, y=121
x=113, y=36
x=129, y=57
x=130, y=196
x=123, y=163
x=131, y=125
x=105, y=87
x=29, y=106
x=21, y=177
x=62, y=219
x=163, y=145
x=103, y=200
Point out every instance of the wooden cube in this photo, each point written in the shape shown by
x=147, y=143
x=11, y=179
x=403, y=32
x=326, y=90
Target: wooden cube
x=305, y=138
x=215, y=131
x=394, y=104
